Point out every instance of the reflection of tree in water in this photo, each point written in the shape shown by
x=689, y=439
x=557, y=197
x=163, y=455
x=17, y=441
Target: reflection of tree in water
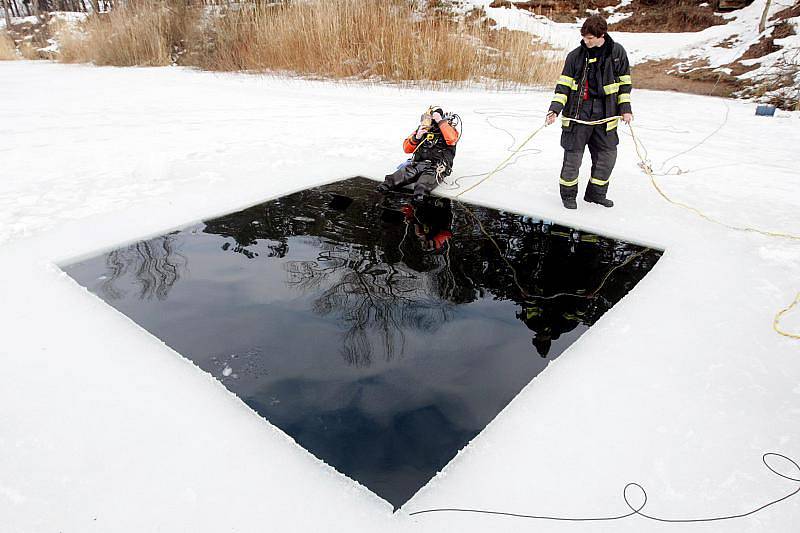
x=560, y=277
x=155, y=265
x=386, y=270
x=266, y=223
x=376, y=301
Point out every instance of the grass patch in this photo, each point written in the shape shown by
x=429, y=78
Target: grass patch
x=8, y=51
x=138, y=32
x=382, y=40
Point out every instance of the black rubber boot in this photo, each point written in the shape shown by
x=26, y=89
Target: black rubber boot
x=596, y=194
x=568, y=194
x=383, y=188
x=605, y=202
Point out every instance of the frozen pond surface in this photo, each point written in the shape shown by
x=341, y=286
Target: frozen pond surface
x=379, y=334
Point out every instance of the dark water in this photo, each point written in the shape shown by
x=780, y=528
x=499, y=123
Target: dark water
x=381, y=336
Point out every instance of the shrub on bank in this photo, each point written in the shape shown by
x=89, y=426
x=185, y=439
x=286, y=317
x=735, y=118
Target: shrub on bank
x=7, y=49
x=138, y=32
x=388, y=40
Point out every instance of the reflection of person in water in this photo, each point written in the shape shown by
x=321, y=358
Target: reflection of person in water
x=572, y=266
x=431, y=221
x=550, y=319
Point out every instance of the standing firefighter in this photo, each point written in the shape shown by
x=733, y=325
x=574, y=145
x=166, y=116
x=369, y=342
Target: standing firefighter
x=433, y=146
x=594, y=85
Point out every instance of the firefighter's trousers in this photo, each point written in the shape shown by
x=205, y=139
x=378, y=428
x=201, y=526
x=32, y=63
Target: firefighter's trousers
x=602, y=148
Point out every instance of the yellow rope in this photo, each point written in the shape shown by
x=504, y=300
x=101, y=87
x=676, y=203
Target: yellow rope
x=591, y=122
x=646, y=167
x=497, y=246
x=599, y=287
x=649, y=171
x=776, y=321
x=506, y=160
x=531, y=136
x=522, y=290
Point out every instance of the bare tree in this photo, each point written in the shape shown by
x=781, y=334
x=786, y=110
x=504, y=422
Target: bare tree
x=156, y=265
x=36, y=11
x=762, y=25
x=377, y=302
x=8, y=15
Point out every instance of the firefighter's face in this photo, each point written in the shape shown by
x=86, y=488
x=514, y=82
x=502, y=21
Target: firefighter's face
x=592, y=41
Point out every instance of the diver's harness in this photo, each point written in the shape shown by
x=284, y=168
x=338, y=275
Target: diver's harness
x=430, y=139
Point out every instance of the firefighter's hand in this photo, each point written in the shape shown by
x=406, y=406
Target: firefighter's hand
x=550, y=118
x=627, y=117
x=436, y=117
x=421, y=132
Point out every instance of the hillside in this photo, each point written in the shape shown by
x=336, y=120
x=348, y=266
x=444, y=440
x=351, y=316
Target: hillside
x=681, y=45
x=726, y=48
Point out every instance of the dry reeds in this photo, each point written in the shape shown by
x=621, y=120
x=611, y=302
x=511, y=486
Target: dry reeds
x=381, y=39
x=72, y=43
x=139, y=32
x=8, y=51
x=28, y=50
x=384, y=40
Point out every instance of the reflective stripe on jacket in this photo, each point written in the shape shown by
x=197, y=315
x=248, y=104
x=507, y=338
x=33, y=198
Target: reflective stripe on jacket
x=616, y=76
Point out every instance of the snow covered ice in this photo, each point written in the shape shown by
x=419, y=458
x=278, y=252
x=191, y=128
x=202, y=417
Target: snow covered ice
x=681, y=387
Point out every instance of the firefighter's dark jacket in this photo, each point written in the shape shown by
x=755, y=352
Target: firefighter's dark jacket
x=616, y=83
x=439, y=146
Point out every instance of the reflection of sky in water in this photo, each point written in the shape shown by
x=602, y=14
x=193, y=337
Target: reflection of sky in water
x=274, y=330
